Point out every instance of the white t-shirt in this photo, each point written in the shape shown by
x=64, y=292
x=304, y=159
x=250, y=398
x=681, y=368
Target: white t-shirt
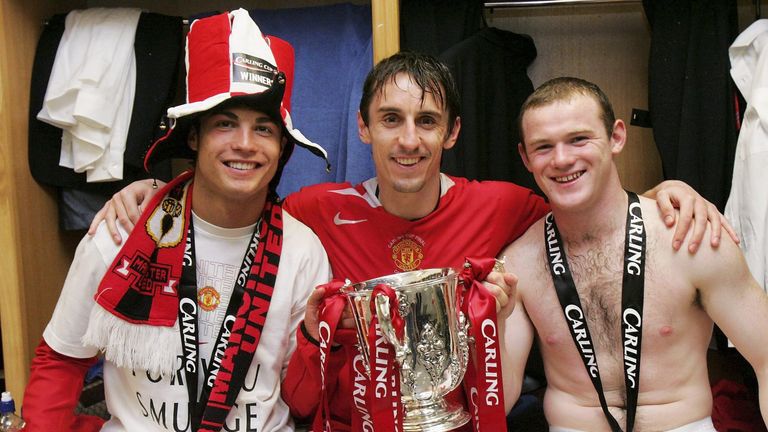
x=141, y=402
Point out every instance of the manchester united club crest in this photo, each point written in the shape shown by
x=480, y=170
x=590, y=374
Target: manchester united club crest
x=208, y=298
x=407, y=253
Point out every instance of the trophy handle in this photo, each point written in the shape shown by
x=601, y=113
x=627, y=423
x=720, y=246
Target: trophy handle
x=385, y=323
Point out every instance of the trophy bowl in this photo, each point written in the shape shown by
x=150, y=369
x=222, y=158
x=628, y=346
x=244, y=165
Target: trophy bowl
x=432, y=355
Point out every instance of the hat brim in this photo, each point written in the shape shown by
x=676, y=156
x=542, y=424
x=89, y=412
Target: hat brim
x=174, y=145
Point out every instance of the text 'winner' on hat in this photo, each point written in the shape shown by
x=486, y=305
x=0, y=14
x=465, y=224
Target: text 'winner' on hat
x=229, y=61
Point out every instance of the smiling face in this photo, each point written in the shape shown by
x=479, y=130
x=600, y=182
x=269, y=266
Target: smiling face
x=569, y=151
x=407, y=133
x=238, y=150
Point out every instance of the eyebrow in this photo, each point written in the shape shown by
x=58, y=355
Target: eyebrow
x=262, y=118
x=582, y=132
x=394, y=109
x=529, y=142
x=571, y=134
x=228, y=114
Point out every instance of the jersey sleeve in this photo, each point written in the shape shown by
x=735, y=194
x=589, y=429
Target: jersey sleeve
x=51, y=396
x=302, y=385
x=311, y=269
x=520, y=208
x=301, y=204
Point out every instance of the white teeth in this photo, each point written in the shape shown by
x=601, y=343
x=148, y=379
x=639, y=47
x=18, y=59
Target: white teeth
x=242, y=165
x=407, y=161
x=568, y=178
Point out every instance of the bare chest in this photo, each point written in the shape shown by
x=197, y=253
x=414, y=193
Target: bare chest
x=597, y=274
x=675, y=330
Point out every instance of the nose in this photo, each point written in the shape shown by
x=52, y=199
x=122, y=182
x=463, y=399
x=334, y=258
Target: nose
x=246, y=140
x=409, y=137
x=561, y=156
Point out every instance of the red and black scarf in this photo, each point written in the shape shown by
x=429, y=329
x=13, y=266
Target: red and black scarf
x=137, y=299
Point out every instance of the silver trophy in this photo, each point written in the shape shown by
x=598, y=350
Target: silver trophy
x=433, y=353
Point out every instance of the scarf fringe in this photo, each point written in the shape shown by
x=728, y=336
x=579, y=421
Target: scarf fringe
x=134, y=346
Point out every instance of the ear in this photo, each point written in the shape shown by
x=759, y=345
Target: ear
x=193, y=139
x=618, y=137
x=523, y=156
x=451, y=140
x=362, y=129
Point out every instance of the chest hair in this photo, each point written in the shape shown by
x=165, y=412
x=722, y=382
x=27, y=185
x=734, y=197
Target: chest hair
x=597, y=269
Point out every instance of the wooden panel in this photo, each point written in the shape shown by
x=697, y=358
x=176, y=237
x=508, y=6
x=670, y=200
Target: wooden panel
x=14, y=338
x=605, y=44
x=36, y=254
x=749, y=11
x=386, y=28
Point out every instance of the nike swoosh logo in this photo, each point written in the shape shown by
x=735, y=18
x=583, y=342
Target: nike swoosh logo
x=339, y=221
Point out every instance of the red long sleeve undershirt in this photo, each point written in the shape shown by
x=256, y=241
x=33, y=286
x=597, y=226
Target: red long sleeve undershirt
x=50, y=399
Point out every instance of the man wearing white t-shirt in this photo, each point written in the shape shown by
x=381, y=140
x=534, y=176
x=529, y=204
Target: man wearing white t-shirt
x=196, y=312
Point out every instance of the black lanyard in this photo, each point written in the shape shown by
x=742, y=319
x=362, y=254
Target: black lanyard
x=188, y=324
x=633, y=286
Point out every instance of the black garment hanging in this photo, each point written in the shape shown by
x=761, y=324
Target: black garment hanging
x=432, y=26
x=490, y=68
x=691, y=98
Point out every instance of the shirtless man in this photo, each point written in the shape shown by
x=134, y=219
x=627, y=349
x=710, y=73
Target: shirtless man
x=569, y=140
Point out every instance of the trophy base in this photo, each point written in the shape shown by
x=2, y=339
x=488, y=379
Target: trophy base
x=434, y=417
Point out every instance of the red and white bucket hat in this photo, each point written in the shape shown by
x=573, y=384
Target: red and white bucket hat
x=229, y=61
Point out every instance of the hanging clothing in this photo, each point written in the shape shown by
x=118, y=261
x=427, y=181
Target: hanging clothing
x=334, y=52
x=77, y=208
x=433, y=26
x=91, y=88
x=747, y=207
x=490, y=68
x=691, y=98
x=157, y=47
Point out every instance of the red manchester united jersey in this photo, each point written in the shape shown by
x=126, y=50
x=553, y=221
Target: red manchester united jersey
x=364, y=241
